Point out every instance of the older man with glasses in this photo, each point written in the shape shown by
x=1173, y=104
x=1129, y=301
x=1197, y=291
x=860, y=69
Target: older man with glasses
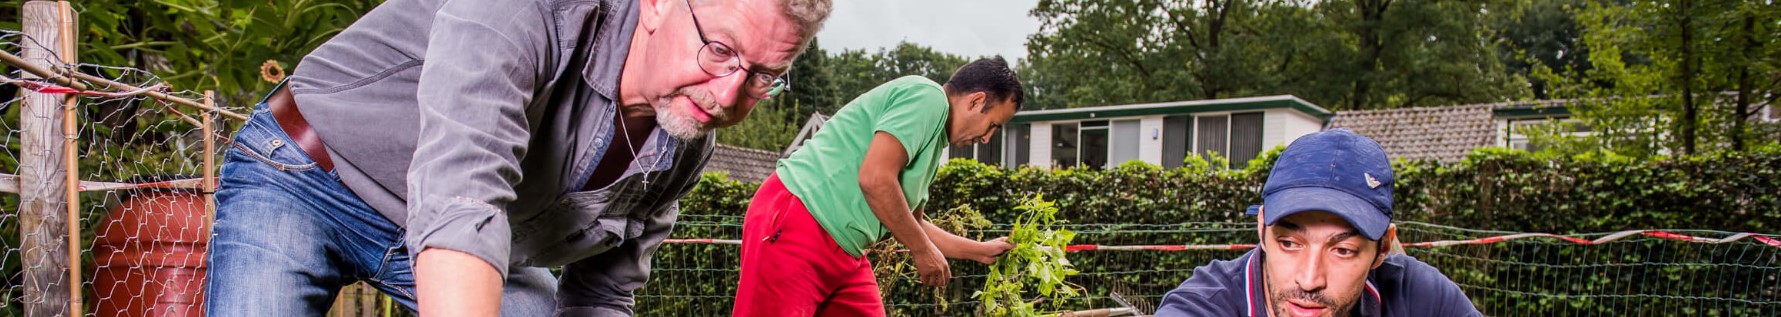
x=449, y=152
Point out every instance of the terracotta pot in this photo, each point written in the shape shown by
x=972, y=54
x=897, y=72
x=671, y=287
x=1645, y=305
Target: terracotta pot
x=149, y=255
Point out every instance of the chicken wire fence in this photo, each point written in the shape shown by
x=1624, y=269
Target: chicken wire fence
x=141, y=228
x=1634, y=272
x=137, y=152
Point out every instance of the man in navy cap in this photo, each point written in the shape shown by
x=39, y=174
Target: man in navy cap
x=1325, y=227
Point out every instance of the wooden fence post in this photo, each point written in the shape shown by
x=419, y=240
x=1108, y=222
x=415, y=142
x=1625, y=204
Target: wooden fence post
x=43, y=193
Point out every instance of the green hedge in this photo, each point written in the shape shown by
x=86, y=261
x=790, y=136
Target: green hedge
x=1137, y=203
x=1493, y=189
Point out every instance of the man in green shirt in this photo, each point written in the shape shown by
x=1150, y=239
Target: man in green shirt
x=865, y=173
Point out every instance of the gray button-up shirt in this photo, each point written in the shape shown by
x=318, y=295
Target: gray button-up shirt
x=475, y=123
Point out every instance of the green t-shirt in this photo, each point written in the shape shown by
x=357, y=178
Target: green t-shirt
x=825, y=172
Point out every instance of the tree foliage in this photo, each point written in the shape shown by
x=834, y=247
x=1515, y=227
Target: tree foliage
x=207, y=44
x=1347, y=54
x=1677, y=77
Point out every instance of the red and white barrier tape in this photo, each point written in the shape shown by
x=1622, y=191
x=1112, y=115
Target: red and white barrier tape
x=1770, y=241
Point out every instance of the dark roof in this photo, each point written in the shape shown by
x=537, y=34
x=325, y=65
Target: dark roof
x=1442, y=134
x=1174, y=107
x=743, y=164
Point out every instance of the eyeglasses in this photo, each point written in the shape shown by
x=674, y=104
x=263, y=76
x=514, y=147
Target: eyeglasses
x=718, y=59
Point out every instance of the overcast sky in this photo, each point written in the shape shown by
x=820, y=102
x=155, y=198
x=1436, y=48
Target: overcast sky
x=968, y=28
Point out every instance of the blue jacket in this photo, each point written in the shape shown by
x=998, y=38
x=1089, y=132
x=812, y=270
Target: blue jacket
x=1402, y=286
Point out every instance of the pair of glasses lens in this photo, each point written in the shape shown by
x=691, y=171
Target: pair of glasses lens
x=719, y=60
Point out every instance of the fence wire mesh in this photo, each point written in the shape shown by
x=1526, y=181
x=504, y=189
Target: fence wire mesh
x=142, y=231
x=1634, y=272
x=142, y=218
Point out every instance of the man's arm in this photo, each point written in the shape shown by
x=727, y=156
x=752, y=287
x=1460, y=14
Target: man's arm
x=954, y=246
x=483, y=63
x=471, y=287
x=885, y=159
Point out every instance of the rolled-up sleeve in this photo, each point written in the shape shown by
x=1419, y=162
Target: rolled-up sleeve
x=481, y=69
x=603, y=285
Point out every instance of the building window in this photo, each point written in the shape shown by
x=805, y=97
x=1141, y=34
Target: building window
x=1246, y=138
x=1237, y=137
x=990, y=152
x=1177, y=133
x=1125, y=137
x=958, y=152
x=1094, y=144
x=1212, y=135
x=1017, y=145
x=1518, y=129
x=1063, y=144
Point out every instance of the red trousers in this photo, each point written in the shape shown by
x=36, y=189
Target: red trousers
x=791, y=267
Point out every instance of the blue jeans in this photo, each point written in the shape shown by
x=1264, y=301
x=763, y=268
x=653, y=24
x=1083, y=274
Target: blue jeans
x=289, y=235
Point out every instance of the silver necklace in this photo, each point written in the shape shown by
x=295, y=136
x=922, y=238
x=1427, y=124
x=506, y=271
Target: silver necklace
x=629, y=146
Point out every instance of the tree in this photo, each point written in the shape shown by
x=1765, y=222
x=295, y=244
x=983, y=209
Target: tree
x=1355, y=54
x=853, y=72
x=1412, y=53
x=811, y=90
x=1662, y=70
x=1751, y=54
x=913, y=59
x=1543, y=33
x=766, y=128
x=1097, y=53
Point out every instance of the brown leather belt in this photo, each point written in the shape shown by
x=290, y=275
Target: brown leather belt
x=284, y=110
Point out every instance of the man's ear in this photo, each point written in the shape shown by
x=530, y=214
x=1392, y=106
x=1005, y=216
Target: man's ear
x=979, y=101
x=1261, y=225
x=653, y=12
x=1385, y=244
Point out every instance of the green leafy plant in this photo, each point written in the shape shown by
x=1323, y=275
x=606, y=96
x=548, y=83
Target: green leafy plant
x=890, y=265
x=1036, y=262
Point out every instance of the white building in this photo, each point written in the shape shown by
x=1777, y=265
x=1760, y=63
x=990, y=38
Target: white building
x=1159, y=133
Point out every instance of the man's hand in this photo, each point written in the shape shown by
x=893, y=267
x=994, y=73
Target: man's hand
x=988, y=251
x=954, y=246
x=931, y=265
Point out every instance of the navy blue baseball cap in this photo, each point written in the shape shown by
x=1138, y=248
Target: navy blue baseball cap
x=1335, y=171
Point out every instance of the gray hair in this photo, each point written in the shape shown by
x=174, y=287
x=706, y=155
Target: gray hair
x=808, y=14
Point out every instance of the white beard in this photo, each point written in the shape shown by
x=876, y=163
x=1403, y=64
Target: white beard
x=679, y=125
x=677, y=122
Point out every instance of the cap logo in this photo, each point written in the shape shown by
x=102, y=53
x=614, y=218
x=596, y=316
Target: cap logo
x=1373, y=183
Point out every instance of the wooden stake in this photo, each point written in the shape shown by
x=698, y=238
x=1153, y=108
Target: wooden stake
x=42, y=172
x=209, y=161
x=70, y=133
